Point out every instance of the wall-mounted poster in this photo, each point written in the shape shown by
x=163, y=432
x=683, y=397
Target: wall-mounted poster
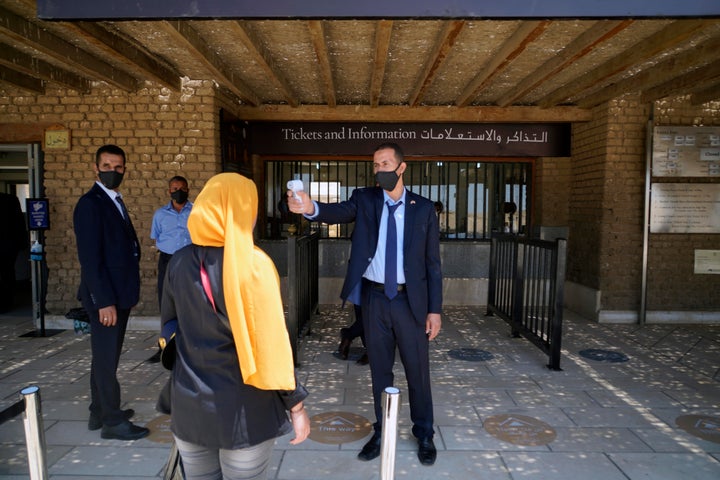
x=685, y=208
x=686, y=152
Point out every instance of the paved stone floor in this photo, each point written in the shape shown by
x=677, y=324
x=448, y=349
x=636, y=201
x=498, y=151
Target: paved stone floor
x=638, y=403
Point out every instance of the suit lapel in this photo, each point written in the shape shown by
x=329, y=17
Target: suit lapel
x=410, y=210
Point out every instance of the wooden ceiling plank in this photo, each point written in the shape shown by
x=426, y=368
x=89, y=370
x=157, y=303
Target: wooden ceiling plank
x=672, y=67
x=22, y=81
x=117, y=46
x=707, y=95
x=26, y=64
x=33, y=35
x=382, y=45
x=694, y=80
x=664, y=39
x=526, y=33
x=264, y=59
x=187, y=36
x=444, y=44
x=403, y=113
x=600, y=32
x=317, y=33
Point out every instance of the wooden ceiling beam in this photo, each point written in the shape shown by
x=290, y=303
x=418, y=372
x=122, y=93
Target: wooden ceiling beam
x=261, y=56
x=708, y=94
x=695, y=80
x=401, y=113
x=185, y=35
x=382, y=45
x=585, y=43
x=26, y=64
x=672, y=67
x=317, y=34
x=526, y=33
x=443, y=45
x=22, y=81
x=65, y=52
x=668, y=37
x=113, y=44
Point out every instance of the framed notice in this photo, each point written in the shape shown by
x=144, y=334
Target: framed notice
x=707, y=262
x=685, y=208
x=38, y=213
x=686, y=152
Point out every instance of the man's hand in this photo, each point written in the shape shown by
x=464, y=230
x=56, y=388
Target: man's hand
x=108, y=316
x=301, y=426
x=432, y=325
x=304, y=206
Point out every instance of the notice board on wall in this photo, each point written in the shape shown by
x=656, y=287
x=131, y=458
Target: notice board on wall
x=680, y=151
x=685, y=208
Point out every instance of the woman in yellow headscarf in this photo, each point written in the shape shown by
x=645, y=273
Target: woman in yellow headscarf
x=233, y=380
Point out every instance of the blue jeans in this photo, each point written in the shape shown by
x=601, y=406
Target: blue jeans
x=201, y=463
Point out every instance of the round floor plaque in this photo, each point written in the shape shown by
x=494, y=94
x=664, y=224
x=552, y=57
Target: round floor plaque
x=336, y=428
x=603, y=355
x=160, y=430
x=470, y=354
x=520, y=430
x=701, y=426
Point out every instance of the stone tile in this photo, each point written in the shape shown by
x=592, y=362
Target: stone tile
x=669, y=466
x=561, y=466
x=109, y=461
x=611, y=417
x=597, y=440
x=476, y=438
x=674, y=440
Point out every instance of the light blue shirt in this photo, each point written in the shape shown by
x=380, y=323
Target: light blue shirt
x=169, y=228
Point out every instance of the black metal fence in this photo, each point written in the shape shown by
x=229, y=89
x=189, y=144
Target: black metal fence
x=302, y=284
x=526, y=289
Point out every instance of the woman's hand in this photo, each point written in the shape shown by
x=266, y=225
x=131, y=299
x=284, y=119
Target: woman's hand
x=301, y=425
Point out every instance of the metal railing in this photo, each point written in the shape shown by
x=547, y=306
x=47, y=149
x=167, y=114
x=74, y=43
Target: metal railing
x=302, y=285
x=526, y=289
x=31, y=409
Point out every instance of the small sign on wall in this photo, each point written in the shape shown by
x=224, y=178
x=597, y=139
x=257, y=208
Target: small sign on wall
x=707, y=262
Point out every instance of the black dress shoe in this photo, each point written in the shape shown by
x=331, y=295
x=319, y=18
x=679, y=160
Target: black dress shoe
x=124, y=430
x=426, y=451
x=364, y=360
x=372, y=448
x=344, y=348
x=95, y=422
x=156, y=357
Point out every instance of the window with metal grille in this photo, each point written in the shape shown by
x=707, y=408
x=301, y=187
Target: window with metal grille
x=475, y=198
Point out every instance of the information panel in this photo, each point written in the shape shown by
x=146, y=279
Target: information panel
x=685, y=208
x=680, y=151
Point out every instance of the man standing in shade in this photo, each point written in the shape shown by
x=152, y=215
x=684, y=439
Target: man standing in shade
x=401, y=304
x=170, y=232
x=109, y=254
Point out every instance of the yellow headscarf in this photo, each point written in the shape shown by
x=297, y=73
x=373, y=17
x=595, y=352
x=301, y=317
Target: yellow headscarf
x=223, y=215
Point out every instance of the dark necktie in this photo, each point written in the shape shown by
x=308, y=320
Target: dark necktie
x=125, y=215
x=391, y=253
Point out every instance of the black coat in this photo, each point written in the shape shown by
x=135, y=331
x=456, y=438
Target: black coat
x=211, y=406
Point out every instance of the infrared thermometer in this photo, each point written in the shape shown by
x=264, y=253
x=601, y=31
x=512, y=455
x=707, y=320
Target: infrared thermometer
x=295, y=186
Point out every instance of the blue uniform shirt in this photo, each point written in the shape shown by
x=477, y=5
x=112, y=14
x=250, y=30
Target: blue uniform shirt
x=169, y=228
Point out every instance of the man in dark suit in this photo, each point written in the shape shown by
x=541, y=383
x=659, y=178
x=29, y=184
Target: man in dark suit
x=109, y=254
x=401, y=305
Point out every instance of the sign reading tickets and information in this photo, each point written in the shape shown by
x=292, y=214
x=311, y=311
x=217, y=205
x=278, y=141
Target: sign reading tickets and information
x=448, y=139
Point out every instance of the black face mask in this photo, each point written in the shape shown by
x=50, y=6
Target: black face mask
x=387, y=180
x=110, y=179
x=180, y=196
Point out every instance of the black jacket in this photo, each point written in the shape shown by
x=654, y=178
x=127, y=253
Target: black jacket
x=211, y=406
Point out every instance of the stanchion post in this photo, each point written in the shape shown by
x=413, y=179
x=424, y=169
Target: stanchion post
x=391, y=407
x=34, y=433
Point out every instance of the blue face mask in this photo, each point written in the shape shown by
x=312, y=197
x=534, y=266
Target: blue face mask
x=387, y=180
x=111, y=179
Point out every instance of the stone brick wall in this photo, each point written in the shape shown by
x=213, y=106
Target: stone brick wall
x=163, y=133
x=553, y=176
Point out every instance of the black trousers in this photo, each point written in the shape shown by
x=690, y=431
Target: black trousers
x=106, y=344
x=163, y=261
x=356, y=329
x=389, y=324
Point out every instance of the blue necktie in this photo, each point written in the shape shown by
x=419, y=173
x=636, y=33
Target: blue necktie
x=391, y=253
x=125, y=214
